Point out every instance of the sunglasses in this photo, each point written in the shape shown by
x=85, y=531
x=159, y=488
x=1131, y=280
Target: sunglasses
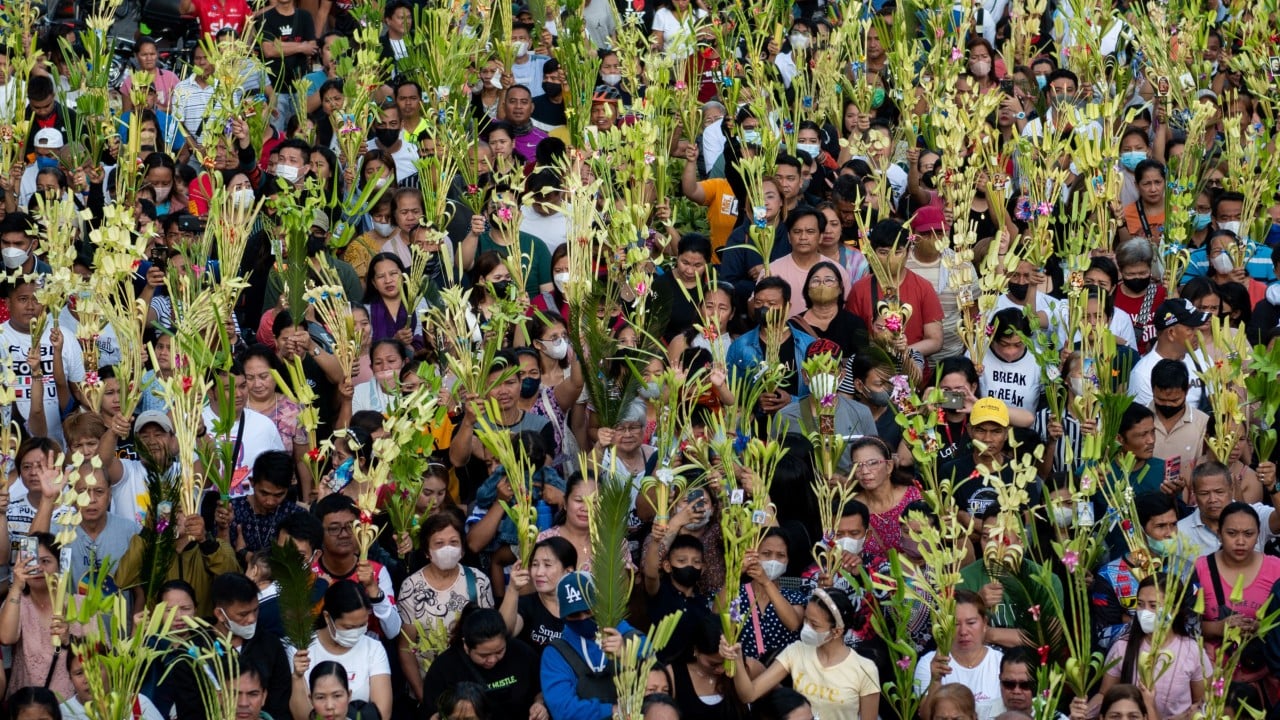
x=1017, y=684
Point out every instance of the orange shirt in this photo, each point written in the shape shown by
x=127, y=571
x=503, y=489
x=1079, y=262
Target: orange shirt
x=722, y=210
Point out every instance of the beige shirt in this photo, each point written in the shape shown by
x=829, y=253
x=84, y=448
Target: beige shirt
x=1184, y=442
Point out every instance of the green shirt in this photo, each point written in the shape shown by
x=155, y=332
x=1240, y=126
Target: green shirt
x=1005, y=615
x=536, y=260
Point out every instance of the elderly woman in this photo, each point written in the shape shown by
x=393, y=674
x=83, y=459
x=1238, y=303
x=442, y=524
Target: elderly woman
x=1139, y=292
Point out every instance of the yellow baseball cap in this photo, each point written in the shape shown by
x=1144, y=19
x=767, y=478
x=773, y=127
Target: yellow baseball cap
x=989, y=409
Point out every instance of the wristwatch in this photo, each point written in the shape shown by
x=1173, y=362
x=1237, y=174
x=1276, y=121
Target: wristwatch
x=315, y=351
x=1020, y=116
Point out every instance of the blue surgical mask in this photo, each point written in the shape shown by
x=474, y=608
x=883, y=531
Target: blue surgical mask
x=1042, y=81
x=529, y=387
x=1130, y=160
x=1201, y=221
x=751, y=137
x=586, y=628
x=44, y=162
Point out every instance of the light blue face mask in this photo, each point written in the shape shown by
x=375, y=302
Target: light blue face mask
x=1130, y=160
x=44, y=162
x=1201, y=221
x=751, y=137
x=1042, y=81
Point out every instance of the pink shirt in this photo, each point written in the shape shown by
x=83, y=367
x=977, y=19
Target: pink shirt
x=1185, y=663
x=786, y=268
x=1255, y=593
x=165, y=82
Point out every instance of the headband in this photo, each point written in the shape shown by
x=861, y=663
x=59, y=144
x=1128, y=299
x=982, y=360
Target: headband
x=831, y=606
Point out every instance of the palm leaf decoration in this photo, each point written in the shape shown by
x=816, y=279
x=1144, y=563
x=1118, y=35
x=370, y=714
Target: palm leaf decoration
x=297, y=583
x=595, y=344
x=158, y=539
x=609, y=568
x=1030, y=587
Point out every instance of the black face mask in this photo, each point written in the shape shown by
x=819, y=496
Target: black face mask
x=484, y=179
x=1018, y=291
x=1137, y=284
x=929, y=179
x=501, y=288
x=316, y=245
x=1168, y=411
x=552, y=89
x=761, y=316
x=529, y=387
x=386, y=137
x=687, y=576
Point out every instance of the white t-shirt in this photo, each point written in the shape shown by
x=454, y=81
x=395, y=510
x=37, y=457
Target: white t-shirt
x=129, y=496
x=1140, y=378
x=16, y=345
x=362, y=662
x=1016, y=384
x=259, y=436
x=552, y=230
x=983, y=680
x=678, y=39
x=22, y=512
x=108, y=345
x=73, y=709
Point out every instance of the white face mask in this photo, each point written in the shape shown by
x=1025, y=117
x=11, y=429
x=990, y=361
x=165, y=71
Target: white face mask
x=14, y=258
x=812, y=637
x=810, y=149
x=650, y=390
x=1231, y=226
x=244, y=632
x=383, y=229
x=1147, y=621
x=1222, y=263
x=557, y=350
x=522, y=48
x=773, y=569
x=242, y=199
x=347, y=638
x=447, y=557
x=1062, y=516
x=382, y=181
x=853, y=546
x=560, y=279
x=162, y=192
x=496, y=81
x=287, y=173
x=611, y=79
x=1077, y=386
x=799, y=41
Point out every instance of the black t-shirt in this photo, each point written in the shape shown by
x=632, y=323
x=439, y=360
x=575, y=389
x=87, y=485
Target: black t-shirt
x=511, y=685
x=669, y=600
x=846, y=330
x=540, y=626
x=298, y=27
x=548, y=113
x=682, y=313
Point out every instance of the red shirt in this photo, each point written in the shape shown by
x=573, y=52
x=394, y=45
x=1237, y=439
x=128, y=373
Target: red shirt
x=1144, y=326
x=216, y=15
x=915, y=291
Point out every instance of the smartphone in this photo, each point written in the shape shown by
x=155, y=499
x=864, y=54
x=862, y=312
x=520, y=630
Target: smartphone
x=1006, y=87
x=159, y=258
x=1173, y=469
x=952, y=400
x=342, y=475
x=699, y=499
x=29, y=550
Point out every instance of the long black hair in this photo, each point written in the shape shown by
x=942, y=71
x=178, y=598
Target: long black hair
x=1135, y=637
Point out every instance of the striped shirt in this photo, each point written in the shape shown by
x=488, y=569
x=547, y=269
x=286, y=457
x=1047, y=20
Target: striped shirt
x=191, y=105
x=1071, y=431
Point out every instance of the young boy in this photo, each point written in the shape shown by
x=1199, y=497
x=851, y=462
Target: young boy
x=675, y=589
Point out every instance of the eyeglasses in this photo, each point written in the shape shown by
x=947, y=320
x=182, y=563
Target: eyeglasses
x=824, y=281
x=1017, y=684
x=871, y=464
x=630, y=428
x=338, y=530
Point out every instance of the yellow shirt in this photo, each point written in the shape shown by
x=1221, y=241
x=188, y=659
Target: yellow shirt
x=834, y=692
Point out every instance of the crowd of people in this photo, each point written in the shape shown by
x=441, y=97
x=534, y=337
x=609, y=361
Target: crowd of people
x=845, y=250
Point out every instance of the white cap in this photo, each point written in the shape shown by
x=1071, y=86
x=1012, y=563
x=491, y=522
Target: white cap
x=49, y=139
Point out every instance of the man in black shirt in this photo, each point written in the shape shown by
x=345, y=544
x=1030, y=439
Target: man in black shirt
x=288, y=44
